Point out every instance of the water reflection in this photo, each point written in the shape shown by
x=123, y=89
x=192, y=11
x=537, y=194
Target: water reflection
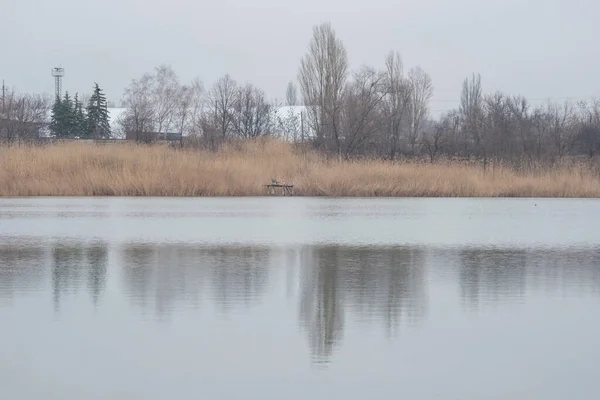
x=170, y=274
x=76, y=262
x=492, y=275
x=378, y=285
x=332, y=289
x=565, y=271
x=321, y=300
x=21, y=269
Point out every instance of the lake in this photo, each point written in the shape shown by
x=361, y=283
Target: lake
x=299, y=298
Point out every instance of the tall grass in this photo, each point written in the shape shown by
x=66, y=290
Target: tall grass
x=73, y=169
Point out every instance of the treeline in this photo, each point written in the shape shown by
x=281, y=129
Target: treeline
x=70, y=121
x=28, y=117
x=385, y=113
x=160, y=106
x=501, y=126
x=368, y=111
x=373, y=112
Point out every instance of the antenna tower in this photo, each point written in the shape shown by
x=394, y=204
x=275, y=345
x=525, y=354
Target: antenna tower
x=58, y=73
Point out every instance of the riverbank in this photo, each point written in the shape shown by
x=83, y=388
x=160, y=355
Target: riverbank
x=73, y=169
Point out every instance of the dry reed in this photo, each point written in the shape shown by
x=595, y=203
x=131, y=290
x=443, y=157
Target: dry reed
x=75, y=169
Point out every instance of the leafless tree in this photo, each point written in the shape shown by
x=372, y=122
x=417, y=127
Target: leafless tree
x=196, y=107
x=322, y=75
x=291, y=94
x=395, y=102
x=433, y=140
x=158, y=104
x=361, y=103
x=287, y=121
x=222, y=97
x=165, y=98
x=139, y=119
x=521, y=125
x=454, y=133
x=251, y=115
x=471, y=111
x=561, y=131
x=24, y=115
x=181, y=113
x=589, y=128
x=540, y=125
x=421, y=91
x=495, y=133
x=32, y=114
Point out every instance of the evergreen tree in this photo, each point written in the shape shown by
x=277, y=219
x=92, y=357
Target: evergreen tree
x=56, y=119
x=68, y=117
x=80, y=121
x=62, y=122
x=97, y=115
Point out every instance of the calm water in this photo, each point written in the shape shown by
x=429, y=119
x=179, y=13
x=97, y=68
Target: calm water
x=290, y=298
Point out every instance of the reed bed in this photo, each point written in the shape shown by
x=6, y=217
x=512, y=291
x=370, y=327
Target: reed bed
x=78, y=169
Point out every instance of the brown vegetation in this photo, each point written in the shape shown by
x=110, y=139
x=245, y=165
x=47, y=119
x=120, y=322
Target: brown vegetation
x=241, y=169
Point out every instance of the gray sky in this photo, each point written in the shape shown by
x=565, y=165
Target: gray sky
x=537, y=48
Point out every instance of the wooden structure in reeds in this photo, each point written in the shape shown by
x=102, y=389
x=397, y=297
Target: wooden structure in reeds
x=286, y=190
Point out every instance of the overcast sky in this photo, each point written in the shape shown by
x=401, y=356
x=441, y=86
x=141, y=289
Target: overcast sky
x=536, y=48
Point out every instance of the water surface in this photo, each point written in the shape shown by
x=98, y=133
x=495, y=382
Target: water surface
x=299, y=298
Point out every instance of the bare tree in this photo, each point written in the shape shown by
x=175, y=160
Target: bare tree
x=421, y=91
x=395, y=102
x=452, y=132
x=139, y=120
x=158, y=104
x=322, y=75
x=287, y=121
x=222, y=97
x=519, y=109
x=495, y=132
x=24, y=115
x=251, y=113
x=165, y=94
x=291, y=94
x=361, y=103
x=589, y=129
x=561, y=132
x=434, y=139
x=539, y=125
x=197, y=100
x=182, y=110
x=31, y=114
x=471, y=111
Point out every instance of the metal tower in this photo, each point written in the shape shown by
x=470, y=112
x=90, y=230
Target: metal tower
x=58, y=73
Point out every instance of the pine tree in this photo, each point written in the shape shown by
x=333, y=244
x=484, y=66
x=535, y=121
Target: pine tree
x=80, y=121
x=62, y=122
x=57, y=117
x=97, y=115
x=68, y=117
